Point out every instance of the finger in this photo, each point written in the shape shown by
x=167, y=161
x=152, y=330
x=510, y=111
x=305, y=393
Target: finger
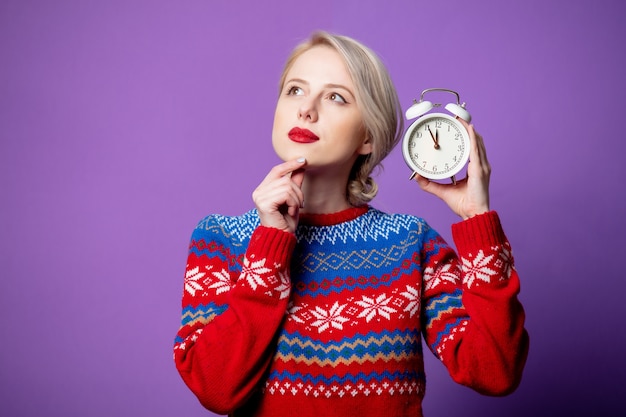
x=478, y=164
x=475, y=138
x=429, y=186
x=290, y=198
x=480, y=152
x=282, y=191
x=297, y=177
x=285, y=168
x=474, y=145
x=480, y=143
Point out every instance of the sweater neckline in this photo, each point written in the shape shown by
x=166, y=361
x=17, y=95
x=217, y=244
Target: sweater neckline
x=330, y=219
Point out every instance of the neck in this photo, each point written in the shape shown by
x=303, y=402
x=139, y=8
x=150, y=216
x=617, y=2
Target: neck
x=324, y=195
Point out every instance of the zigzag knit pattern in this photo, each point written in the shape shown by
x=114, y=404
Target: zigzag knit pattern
x=349, y=311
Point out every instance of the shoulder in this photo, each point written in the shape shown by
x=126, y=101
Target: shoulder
x=231, y=228
x=398, y=222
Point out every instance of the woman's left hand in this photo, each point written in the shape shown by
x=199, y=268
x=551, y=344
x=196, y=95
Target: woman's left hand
x=469, y=196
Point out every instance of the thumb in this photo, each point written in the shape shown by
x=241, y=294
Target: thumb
x=431, y=187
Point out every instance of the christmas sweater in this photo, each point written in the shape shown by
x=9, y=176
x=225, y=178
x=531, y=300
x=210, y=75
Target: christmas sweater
x=331, y=320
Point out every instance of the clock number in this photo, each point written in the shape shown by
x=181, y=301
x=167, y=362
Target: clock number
x=434, y=168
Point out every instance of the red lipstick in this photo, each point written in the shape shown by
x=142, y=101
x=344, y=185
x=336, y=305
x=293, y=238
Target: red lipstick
x=302, y=135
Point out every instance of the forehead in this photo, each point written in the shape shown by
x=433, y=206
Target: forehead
x=321, y=64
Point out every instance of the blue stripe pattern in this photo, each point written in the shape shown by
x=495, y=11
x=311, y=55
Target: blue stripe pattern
x=361, y=377
x=446, y=332
x=387, y=342
x=442, y=303
x=204, y=310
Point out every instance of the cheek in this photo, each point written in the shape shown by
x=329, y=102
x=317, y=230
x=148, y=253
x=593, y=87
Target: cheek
x=279, y=134
x=355, y=131
x=279, y=117
x=278, y=120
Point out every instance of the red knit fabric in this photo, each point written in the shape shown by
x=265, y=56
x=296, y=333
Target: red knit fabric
x=331, y=322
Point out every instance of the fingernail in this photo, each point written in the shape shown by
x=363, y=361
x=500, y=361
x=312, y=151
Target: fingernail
x=301, y=160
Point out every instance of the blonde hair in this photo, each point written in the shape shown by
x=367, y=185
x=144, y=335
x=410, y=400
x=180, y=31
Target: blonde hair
x=377, y=99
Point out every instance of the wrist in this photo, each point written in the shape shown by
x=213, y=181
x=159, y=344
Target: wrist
x=481, y=231
x=475, y=213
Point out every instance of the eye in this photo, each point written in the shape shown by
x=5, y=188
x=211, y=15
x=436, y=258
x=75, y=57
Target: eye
x=294, y=91
x=337, y=97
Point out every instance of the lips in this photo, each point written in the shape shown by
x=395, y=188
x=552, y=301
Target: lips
x=302, y=135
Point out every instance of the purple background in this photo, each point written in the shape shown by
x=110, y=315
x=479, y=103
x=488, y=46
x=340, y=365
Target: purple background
x=122, y=123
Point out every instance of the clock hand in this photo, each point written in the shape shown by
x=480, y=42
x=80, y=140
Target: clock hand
x=434, y=140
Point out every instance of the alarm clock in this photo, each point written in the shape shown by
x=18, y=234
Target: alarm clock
x=436, y=145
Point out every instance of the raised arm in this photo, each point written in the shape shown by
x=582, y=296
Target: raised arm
x=473, y=319
x=233, y=305
x=232, y=308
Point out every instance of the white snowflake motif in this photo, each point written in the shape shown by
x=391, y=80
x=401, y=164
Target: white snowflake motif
x=292, y=311
x=284, y=288
x=373, y=308
x=434, y=277
x=413, y=296
x=478, y=269
x=506, y=258
x=223, y=283
x=331, y=318
x=192, y=278
x=252, y=272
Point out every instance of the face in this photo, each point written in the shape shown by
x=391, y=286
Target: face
x=317, y=115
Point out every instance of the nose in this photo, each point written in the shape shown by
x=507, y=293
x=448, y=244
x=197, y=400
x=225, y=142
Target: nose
x=308, y=110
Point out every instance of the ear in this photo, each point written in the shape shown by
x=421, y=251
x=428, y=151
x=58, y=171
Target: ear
x=366, y=148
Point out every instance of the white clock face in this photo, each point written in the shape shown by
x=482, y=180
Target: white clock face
x=436, y=146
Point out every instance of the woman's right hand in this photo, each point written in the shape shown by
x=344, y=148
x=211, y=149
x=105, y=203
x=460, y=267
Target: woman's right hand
x=279, y=197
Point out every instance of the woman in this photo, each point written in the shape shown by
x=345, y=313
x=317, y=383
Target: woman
x=315, y=303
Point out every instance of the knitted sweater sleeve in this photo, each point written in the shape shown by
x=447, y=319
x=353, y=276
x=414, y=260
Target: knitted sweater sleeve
x=232, y=307
x=473, y=321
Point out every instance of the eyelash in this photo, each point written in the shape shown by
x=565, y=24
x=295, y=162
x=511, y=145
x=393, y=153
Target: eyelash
x=291, y=90
x=342, y=100
x=332, y=96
